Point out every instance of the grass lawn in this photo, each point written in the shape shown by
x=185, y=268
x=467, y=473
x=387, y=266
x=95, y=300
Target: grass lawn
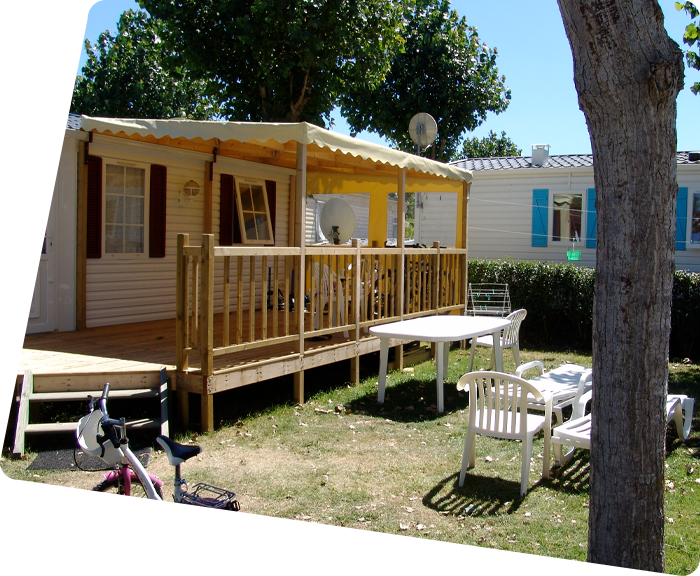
x=344, y=460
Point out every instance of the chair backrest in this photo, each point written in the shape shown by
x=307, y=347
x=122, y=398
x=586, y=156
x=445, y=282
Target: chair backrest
x=498, y=403
x=511, y=332
x=488, y=299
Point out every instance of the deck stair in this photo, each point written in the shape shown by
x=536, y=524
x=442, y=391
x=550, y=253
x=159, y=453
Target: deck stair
x=37, y=388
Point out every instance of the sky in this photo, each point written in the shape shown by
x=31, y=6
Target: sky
x=535, y=57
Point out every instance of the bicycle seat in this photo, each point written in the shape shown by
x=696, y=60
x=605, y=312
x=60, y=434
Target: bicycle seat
x=177, y=453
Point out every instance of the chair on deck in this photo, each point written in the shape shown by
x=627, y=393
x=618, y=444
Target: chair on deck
x=324, y=292
x=565, y=384
x=510, y=338
x=498, y=408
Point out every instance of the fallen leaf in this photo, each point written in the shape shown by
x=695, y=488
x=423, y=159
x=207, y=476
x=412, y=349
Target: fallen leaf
x=403, y=527
x=420, y=527
x=302, y=424
x=488, y=459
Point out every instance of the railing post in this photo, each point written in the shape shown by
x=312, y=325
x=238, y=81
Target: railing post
x=181, y=322
x=9, y=329
x=207, y=332
x=437, y=272
x=356, y=291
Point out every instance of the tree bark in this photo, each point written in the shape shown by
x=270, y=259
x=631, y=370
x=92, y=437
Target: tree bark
x=628, y=73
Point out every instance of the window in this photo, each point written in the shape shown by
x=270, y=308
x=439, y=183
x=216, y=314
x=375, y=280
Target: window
x=125, y=198
x=253, y=212
x=560, y=217
x=695, y=222
x=566, y=217
x=23, y=184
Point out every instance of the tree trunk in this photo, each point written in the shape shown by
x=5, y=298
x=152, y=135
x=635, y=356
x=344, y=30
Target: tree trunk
x=628, y=73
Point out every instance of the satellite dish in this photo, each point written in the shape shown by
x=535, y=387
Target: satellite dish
x=423, y=130
x=337, y=221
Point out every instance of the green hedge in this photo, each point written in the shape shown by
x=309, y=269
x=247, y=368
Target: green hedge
x=559, y=303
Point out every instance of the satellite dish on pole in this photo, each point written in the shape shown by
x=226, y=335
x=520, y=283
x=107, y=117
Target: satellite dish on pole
x=337, y=221
x=423, y=130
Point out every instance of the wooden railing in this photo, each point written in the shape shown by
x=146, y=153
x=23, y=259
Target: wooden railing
x=264, y=297
x=8, y=335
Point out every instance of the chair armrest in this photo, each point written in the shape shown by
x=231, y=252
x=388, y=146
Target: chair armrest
x=527, y=366
x=580, y=405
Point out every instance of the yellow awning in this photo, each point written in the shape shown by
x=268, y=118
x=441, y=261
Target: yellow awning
x=266, y=134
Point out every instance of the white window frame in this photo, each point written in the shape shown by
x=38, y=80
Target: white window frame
x=146, y=208
x=241, y=221
x=550, y=224
x=692, y=192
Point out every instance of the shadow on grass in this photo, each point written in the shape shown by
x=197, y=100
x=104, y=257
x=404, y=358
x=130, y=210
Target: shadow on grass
x=480, y=496
x=410, y=401
x=573, y=477
x=312, y=554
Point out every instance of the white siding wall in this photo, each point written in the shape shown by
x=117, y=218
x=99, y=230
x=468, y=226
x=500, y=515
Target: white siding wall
x=500, y=215
x=689, y=177
x=136, y=288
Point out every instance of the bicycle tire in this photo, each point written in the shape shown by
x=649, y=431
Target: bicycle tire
x=236, y=554
x=100, y=509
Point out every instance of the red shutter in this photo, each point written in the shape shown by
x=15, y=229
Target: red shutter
x=227, y=204
x=156, y=216
x=93, y=231
x=271, y=188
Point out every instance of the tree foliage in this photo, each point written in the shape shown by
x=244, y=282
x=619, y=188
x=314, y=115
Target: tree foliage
x=692, y=38
x=444, y=70
x=490, y=146
x=282, y=60
x=128, y=75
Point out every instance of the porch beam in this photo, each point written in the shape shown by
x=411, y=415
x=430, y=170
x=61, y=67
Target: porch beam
x=208, y=197
x=81, y=247
x=300, y=276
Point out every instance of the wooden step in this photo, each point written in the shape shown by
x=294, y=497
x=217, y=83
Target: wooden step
x=139, y=393
x=58, y=427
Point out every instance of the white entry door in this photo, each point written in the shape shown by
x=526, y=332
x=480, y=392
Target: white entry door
x=27, y=203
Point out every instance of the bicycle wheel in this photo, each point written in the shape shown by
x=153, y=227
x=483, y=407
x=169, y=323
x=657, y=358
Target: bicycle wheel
x=101, y=511
x=235, y=553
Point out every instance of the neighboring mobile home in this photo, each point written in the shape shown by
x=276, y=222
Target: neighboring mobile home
x=202, y=224
x=538, y=210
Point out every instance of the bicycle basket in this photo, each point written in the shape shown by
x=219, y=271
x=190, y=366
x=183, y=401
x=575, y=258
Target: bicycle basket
x=88, y=429
x=209, y=496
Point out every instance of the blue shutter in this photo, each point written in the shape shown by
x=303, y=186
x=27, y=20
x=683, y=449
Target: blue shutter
x=540, y=210
x=591, y=219
x=681, y=218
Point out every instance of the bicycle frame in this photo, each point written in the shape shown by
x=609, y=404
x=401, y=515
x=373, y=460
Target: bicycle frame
x=132, y=468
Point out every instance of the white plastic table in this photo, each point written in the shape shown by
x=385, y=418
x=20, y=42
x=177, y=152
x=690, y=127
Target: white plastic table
x=442, y=330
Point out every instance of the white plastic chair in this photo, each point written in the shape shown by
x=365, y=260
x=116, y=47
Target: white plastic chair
x=498, y=408
x=510, y=338
x=565, y=384
x=322, y=296
x=576, y=432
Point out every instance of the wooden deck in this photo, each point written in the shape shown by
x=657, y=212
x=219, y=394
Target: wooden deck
x=144, y=346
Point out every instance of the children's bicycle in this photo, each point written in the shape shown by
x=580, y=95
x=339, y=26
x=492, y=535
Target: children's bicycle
x=129, y=498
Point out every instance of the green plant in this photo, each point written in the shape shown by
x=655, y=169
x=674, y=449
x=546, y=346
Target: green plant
x=559, y=302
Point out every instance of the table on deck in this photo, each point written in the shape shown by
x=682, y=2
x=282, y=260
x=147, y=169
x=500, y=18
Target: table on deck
x=442, y=330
